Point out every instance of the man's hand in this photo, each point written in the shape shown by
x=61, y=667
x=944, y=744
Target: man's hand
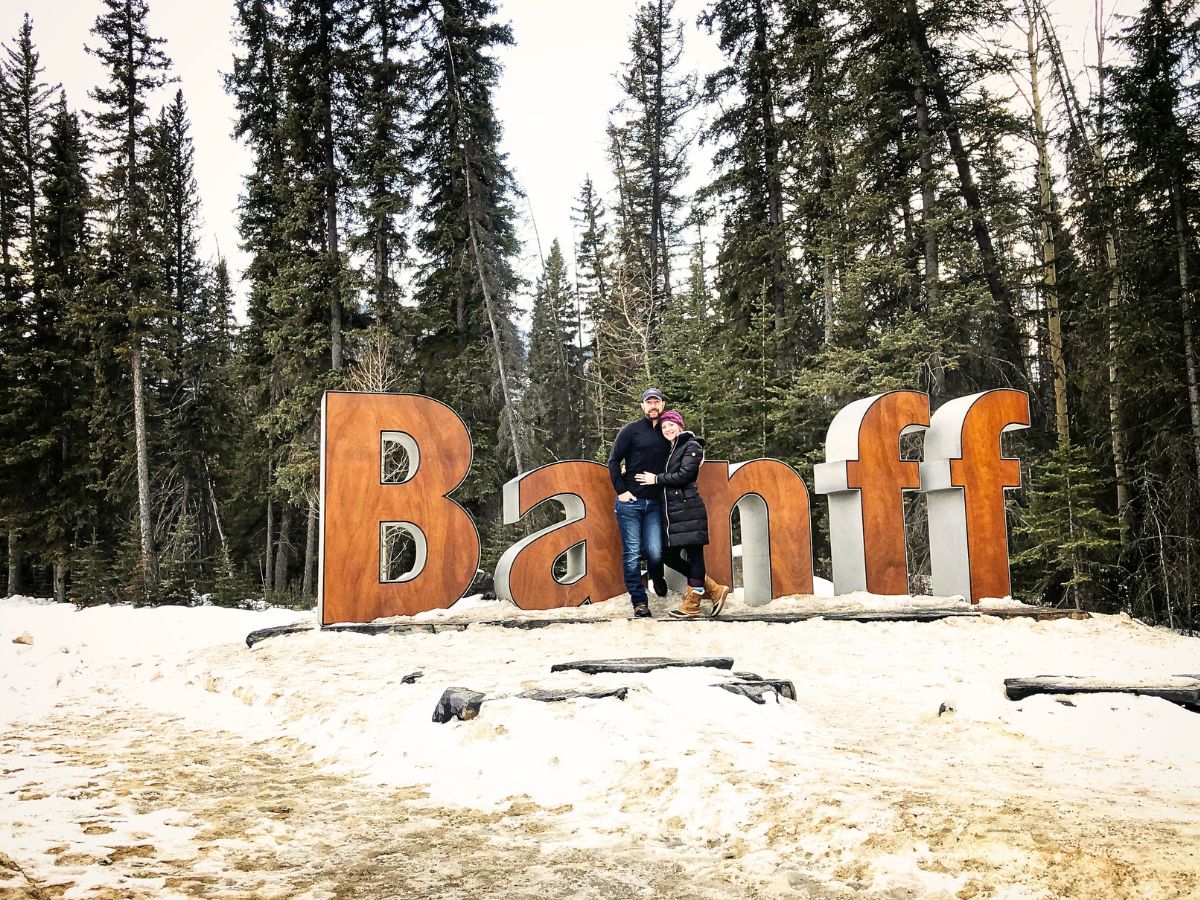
x=626, y=497
x=645, y=478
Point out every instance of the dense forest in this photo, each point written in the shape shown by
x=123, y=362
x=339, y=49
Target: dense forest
x=926, y=195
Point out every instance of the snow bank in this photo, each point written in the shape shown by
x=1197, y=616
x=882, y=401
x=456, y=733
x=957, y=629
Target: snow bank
x=899, y=768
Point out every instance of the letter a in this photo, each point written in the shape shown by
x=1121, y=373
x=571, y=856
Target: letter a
x=588, y=537
x=364, y=506
x=865, y=479
x=964, y=477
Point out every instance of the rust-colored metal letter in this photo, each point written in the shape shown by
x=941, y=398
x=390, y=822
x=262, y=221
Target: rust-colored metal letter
x=588, y=536
x=964, y=477
x=360, y=508
x=772, y=500
x=865, y=479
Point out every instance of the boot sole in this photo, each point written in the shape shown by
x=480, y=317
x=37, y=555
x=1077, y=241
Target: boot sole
x=718, y=604
x=679, y=614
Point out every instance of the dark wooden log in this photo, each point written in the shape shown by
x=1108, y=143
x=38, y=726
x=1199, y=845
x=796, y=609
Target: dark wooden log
x=898, y=615
x=262, y=634
x=757, y=689
x=554, y=696
x=1181, y=689
x=641, y=664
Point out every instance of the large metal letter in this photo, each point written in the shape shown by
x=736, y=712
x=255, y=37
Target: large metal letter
x=865, y=479
x=588, y=536
x=362, y=508
x=776, y=529
x=964, y=477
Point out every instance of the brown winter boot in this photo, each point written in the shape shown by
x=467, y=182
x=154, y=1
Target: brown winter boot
x=717, y=594
x=691, y=605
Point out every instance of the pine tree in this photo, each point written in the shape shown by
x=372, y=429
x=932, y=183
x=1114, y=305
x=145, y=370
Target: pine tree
x=55, y=431
x=1155, y=111
x=751, y=162
x=593, y=286
x=257, y=84
x=554, y=400
x=135, y=66
x=469, y=355
x=1068, y=537
x=194, y=342
x=649, y=149
x=380, y=158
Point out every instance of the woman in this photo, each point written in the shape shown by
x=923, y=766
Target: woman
x=687, y=519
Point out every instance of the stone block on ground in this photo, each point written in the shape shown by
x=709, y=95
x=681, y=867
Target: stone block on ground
x=641, y=664
x=458, y=703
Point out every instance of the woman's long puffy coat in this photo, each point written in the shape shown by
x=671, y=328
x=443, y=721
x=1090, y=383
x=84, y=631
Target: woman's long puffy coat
x=687, y=519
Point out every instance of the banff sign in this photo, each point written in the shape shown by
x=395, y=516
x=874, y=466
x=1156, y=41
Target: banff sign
x=963, y=474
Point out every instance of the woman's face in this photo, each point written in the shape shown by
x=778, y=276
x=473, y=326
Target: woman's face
x=670, y=430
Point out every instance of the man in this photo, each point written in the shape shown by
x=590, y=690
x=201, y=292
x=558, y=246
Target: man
x=640, y=447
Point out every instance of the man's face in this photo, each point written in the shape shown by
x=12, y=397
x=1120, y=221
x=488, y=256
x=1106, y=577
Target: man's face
x=653, y=408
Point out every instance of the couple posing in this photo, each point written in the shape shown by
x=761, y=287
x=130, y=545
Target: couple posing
x=654, y=463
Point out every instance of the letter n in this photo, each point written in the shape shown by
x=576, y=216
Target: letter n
x=370, y=504
x=772, y=500
x=964, y=475
x=588, y=537
x=865, y=478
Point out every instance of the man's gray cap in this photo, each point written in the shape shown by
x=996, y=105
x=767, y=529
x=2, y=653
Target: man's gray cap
x=651, y=392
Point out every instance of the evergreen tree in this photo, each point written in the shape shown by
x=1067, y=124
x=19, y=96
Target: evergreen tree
x=650, y=148
x=135, y=66
x=469, y=355
x=1156, y=112
x=257, y=85
x=750, y=159
x=56, y=432
x=593, y=286
x=554, y=400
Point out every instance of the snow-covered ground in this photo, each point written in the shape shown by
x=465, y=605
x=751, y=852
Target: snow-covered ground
x=149, y=753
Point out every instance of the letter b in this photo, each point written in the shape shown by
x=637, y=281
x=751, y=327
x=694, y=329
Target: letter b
x=365, y=505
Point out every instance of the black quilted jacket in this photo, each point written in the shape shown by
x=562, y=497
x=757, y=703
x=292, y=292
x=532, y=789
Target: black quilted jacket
x=687, y=520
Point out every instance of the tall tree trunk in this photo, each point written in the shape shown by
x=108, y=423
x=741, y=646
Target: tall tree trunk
x=764, y=90
x=310, y=551
x=1116, y=427
x=657, y=244
x=14, y=562
x=331, y=186
x=1010, y=334
x=1185, y=301
x=283, y=550
x=269, y=557
x=145, y=519
x=60, y=578
x=929, y=235
x=506, y=385
x=1058, y=363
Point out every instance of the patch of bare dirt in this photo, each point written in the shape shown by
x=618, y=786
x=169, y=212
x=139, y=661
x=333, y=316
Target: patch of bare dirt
x=258, y=819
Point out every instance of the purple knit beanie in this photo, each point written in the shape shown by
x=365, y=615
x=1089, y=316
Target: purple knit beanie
x=671, y=415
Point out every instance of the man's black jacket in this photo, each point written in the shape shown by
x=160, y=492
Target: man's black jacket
x=642, y=448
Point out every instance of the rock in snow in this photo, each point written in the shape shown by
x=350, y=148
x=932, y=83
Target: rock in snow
x=458, y=703
x=24, y=638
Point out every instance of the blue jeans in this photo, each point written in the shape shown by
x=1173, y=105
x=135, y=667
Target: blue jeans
x=641, y=525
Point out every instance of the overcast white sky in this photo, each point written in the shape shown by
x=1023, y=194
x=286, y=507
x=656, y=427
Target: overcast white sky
x=557, y=88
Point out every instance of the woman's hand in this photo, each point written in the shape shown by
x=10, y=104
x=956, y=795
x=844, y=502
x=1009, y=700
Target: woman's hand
x=645, y=478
